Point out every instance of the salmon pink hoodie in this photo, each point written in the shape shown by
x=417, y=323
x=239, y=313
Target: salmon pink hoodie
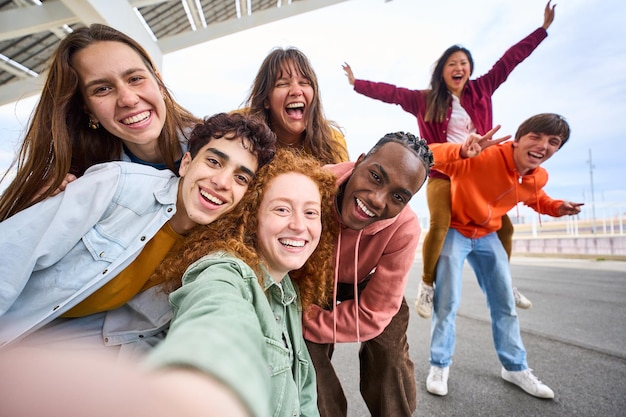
x=386, y=249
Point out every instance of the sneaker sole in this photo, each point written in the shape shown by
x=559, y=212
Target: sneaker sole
x=512, y=382
x=439, y=394
x=422, y=314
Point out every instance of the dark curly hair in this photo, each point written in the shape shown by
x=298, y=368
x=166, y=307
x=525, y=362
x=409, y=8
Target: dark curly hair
x=261, y=140
x=236, y=233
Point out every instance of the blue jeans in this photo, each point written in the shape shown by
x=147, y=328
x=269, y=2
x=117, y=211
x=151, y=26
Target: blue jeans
x=489, y=261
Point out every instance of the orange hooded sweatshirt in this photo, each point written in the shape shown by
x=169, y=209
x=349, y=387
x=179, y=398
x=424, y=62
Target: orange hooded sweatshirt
x=386, y=248
x=485, y=188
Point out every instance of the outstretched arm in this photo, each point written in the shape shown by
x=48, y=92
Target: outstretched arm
x=548, y=15
x=58, y=380
x=475, y=143
x=349, y=73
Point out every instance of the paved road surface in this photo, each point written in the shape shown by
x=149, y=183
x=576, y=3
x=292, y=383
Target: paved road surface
x=575, y=335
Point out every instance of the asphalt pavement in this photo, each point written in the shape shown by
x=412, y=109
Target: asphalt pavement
x=575, y=337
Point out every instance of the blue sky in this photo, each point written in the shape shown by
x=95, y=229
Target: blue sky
x=579, y=71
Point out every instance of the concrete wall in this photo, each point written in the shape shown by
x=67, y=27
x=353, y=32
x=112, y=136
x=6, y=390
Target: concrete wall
x=613, y=247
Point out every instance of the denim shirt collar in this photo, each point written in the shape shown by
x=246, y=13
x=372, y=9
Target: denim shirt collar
x=285, y=292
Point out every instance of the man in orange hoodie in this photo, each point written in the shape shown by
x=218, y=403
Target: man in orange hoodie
x=376, y=247
x=486, y=182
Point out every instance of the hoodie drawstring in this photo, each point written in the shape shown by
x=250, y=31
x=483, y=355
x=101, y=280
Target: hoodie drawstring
x=517, y=198
x=538, y=203
x=356, y=287
x=336, y=282
x=538, y=211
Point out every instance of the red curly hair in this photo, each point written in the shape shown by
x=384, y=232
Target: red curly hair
x=236, y=233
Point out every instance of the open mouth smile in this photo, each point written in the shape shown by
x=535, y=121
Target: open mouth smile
x=295, y=109
x=211, y=198
x=136, y=118
x=364, y=209
x=292, y=243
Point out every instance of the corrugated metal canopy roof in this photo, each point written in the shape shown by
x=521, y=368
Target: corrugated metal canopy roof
x=32, y=29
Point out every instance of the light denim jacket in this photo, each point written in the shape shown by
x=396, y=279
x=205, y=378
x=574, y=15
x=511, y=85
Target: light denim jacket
x=56, y=253
x=230, y=327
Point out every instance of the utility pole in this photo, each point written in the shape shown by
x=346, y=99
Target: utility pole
x=593, y=203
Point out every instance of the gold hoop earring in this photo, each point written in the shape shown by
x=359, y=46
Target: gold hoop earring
x=93, y=125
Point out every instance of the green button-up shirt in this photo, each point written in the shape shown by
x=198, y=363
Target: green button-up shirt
x=247, y=335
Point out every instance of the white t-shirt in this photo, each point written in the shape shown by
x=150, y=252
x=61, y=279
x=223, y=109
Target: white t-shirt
x=460, y=125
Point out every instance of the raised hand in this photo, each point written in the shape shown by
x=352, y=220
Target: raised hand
x=349, y=73
x=548, y=15
x=475, y=143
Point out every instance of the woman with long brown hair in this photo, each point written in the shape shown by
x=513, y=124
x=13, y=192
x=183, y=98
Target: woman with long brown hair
x=285, y=93
x=103, y=100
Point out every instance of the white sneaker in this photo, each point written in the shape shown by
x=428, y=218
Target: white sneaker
x=437, y=381
x=528, y=382
x=520, y=300
x=424, y=301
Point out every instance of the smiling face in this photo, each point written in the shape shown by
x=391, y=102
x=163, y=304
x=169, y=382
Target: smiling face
x=288, y=103
x=456, y=72
x=533, y=149
x=381, y=185
x=123, y=95
x=289, y=223
x=213, y=182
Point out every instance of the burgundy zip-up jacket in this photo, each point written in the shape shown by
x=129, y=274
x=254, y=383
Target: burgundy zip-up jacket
x=475, y=98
